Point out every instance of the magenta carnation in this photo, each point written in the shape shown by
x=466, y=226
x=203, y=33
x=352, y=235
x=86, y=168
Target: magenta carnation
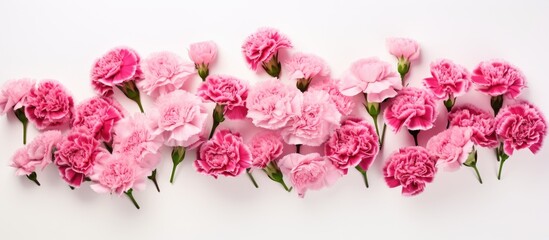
x=225, y=154
x=114, y=68
x=498, y=77
x=49, y=105
x=521, y=126
x=414, y=108
x=265, y=147
x=227, y=91
x=451, y=147
x=263, y=45
x=411, y=168
x=448, y=79
x=354, y=143
x=271, y=104
x=13, y=94
x=164, y=72
x=98, y=115
x=115, y=174
x=481, y=122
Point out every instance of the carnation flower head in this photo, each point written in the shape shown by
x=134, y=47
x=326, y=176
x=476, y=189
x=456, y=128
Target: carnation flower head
x=98, y=115
x=13, y=94
x=203, y=52
x=227, y=91
x=410, y=167
x=117, y=66
x=498, y=77
x=164, y=72
x=413, y=108
x=265, y=147
x=481, y=123
x=116, y=174
x=520, y=126
x=344, y=104
x=448, y=80
x=263, y=45
x=451, y=147
x=49, y=105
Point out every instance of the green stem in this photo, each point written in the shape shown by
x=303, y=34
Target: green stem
x=285, y=187
x=377, y=128
x=298, y=148
x=215, y=124
x=500, y=168
x=130, y=195
x=497, y=153
x=414, y=134
x=364, y=175
x=152, y=177
x=178, y=154
x=382, y=136
x=249, y=173
x=477, y=172
x=108, y=146
x=138, y=101
x=33, y=178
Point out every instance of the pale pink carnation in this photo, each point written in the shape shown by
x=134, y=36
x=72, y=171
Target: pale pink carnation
x=263, y=45
x=413, y=108
x=116, y=174
x=180, y=117
x=225, y=154
x=344, y=104
x=376, y=78
x=306, y=66
x=498, y=77
x=98, y=115
x=448, y=79
x=308, y=172
x=13, y=93
x=271, y=104
x=265, y=147
x=49, y=105
x=135, y=138
x=410, y=167
x=481, y=122
x=164, y=72
x=314, y=122
x=354, y=143
x=203, y=52
x=22, y=162
x=227, y=91
x=41, y=147
x=451, y=147
x=405, y=48
x=521, y=126
x=75, y=156
x=117, y=66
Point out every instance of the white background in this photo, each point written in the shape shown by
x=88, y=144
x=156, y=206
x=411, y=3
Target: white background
x=61, y=39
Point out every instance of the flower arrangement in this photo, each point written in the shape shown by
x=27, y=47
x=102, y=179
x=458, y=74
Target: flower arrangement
x=100, y=143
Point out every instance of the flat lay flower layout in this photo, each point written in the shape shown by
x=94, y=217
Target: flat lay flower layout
x=101, y=144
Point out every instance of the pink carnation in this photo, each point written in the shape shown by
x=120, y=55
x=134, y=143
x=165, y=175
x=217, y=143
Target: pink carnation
x=344, y=104
x=354, y=143
x=448, y=79
x=164, y=72
x=225, y=154
x=263, y=45
x=38, y=154
x=498, y=77
x=306, y=66
x=115, y=174
x=13, y=93
x=181, y=122
x=310, y=171
x=114, y=68
x=414, y=108
x=227, y=91
x=314, y=122
x=98, y=115
x=411, y=167
x=271, y=104
x=375, y=78
x=451, y=147
x=203, y=52
x=135, y=138
x=521, y=126
x=49, y=105
x=75, y=156
x=481, y=122
x=265, y=147
x=403, y=48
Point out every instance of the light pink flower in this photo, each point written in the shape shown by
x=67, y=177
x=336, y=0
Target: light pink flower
x=521, y=126
x=373, y=77
x=49, y=105
x=448, y=79
x=36, y=155
x=98, y=115
x=13, y=93
x=498, y=77
x=263, y=45
x=403, y=48
x=181, y=118
x=115, y=174
x=451, y=147
x=414, y=108
x=314, y=122
x=308, y=172
x=354, y=143
x=306, y=66
x=225, y=154
x=75, y=156
x=135, y=138
x=114, y=68
x=344, y=104
x=411, y=167
x=481, y=122
x=227, y=91
x=203, y=52
x=265, y=147
x=164, y=72
x=271, y=104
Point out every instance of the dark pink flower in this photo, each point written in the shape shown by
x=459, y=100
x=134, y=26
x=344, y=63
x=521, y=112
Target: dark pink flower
x=49, y=105
x=448, y=79
x=225, y=154
x=481, y=122
x=265, y=147
x=114, y=68
x=263, y=45
x=98, y=115
x=498, y=77
x=414, y=108
x=521, y=126
x=354, y=143
x=227, y=91
x=411, y=168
